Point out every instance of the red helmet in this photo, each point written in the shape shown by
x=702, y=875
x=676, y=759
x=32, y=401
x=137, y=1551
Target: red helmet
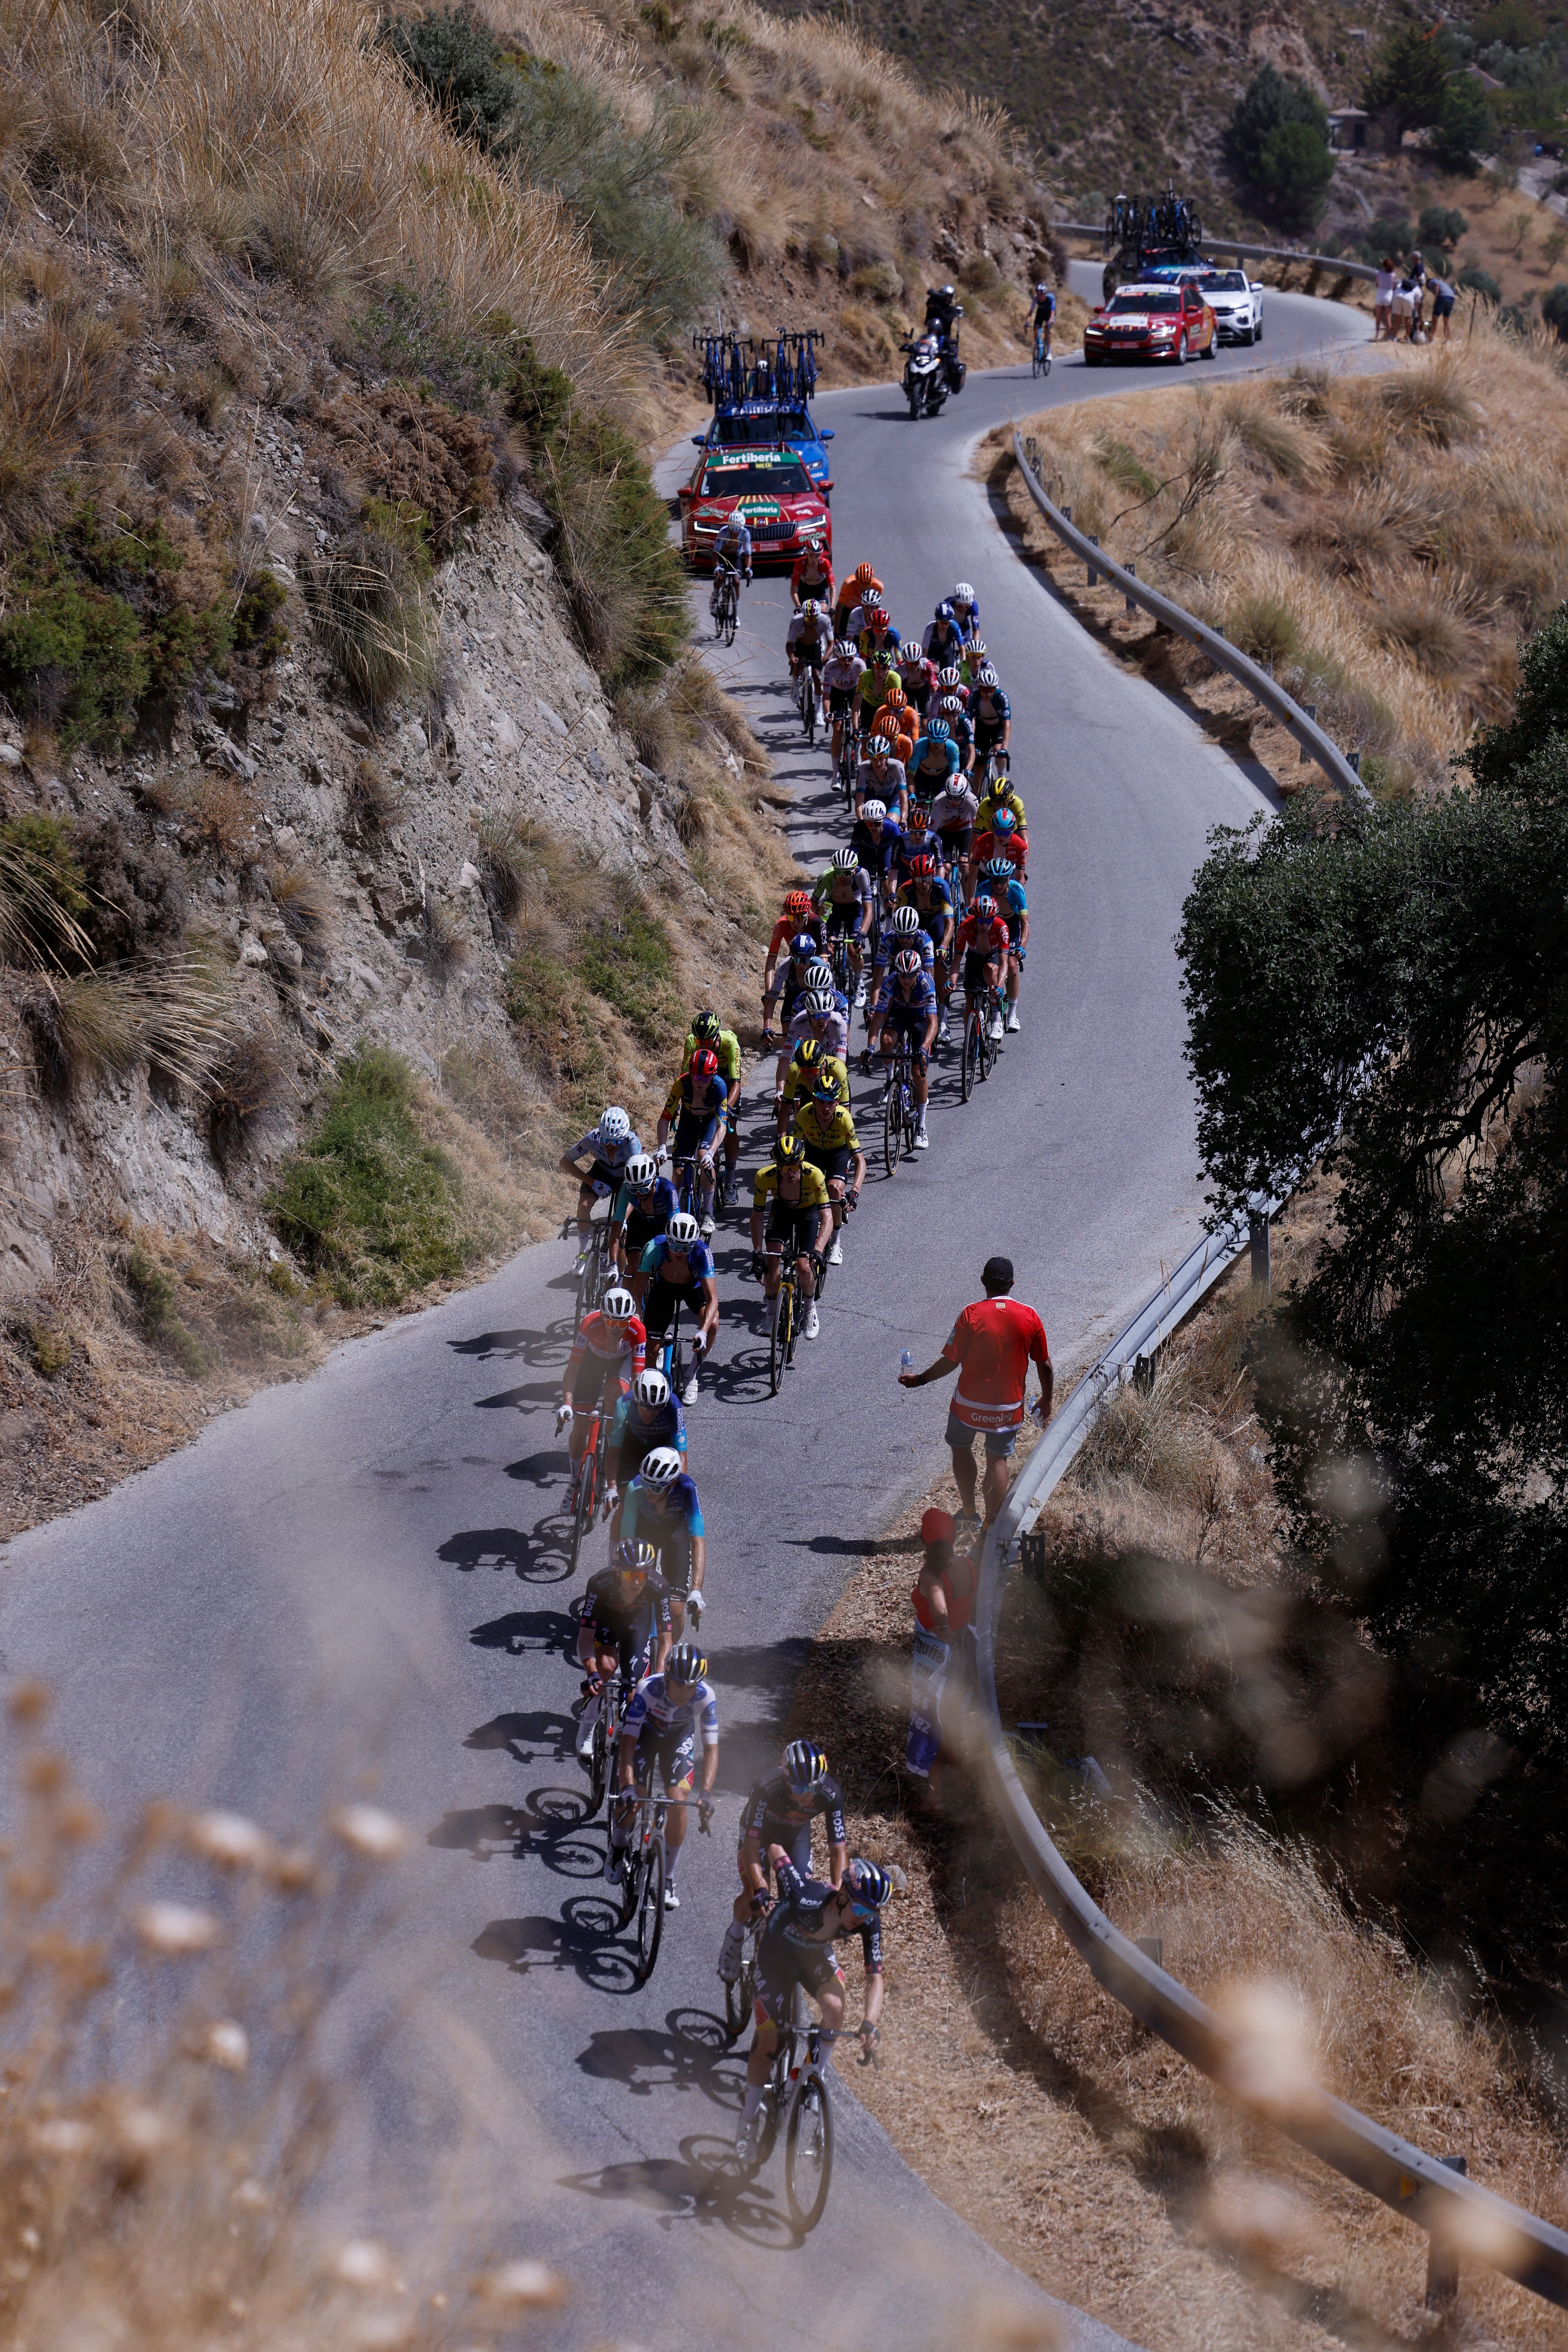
x=798, y=903
x=878, y=617
x=705, y=1065
x=923, y=867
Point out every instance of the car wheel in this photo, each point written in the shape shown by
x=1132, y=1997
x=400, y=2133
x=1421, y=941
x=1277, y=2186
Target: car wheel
x=1211, y=347
x=1179, y=356
x=1257, y=332
x=1091, y=359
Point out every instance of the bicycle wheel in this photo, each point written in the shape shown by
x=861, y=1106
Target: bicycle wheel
x=732, y=619
x=811, y=707
x=631, y=1884
x=987, y=1042
x=650, y=1910
x=585, y=1283
x=808, y=2152
x=598, y=1763
x=740, y=1996
x=778, y=2096
x=778, y=1339
x=968, y=1055
x=891, y=1130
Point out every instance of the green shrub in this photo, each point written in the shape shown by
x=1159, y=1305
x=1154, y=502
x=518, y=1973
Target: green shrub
x=1294, y=171
x=1477, y=280
x=1555, y=310
x=1270, y=100
x=366, y=1203
x=156, y=1293
x=1266, y=627
x=559, y=1030
x=626, y=960
x=43, y=891
x=1442, y=225
x=610, y=529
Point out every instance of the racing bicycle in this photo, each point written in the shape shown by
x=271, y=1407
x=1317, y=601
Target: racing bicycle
x=796, y=2095
x=726, y=603
x=594, y=1280
x=601, y=1757
x=643, y=1872
x=786, y=1323
x=590, y=1478
x=980, y=1048
x=899, y=1115
x=1042, y=357
x=807, y=698
x=848, y=760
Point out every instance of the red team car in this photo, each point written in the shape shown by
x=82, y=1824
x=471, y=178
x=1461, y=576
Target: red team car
x=1152, y=321
x=777, y=498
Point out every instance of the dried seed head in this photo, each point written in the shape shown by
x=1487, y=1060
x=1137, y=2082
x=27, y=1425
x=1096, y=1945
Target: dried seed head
x=29, y=1703
x=520, y=2285
x=371, y=1831
x=139, y=2130
x=63, y=2136
x=226, y=2044
x=293, y=1872
x=175, y=1929
x=229, y=1839
x=252, y=2197
x=43, y=1775
x=381, y=2331
x=360, y=2261
x=76, y=1822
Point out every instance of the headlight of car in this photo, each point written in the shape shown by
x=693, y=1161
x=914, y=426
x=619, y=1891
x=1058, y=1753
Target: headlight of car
x=708, y=529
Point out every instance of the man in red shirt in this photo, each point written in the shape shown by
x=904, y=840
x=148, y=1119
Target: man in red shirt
x=991, y=1348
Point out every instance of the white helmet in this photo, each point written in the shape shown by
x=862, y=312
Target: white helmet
x=641, y=1173
x=618, y=1304
x=904, y=918
x=964, y=594
x=819, y=975
x=682, y=1229
x=651, y=1388
x=844, y=861
x=820, y=1005
x=614, y=1125
x=874, y=811
x=662, y=1468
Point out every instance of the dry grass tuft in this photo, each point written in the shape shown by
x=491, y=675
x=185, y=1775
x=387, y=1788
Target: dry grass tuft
x=218, y=813
x=374, y=620
x=251, y=1088
x=90, y=1026
x=376, y=806
x=304, y=901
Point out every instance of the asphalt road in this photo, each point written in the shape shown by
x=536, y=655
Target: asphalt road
x=360, y=1580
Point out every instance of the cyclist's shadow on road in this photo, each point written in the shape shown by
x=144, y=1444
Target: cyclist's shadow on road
x=582, y=1939
x=529, y=1346
x=703, y=2184
x=692, y=2054
x=539, y=1555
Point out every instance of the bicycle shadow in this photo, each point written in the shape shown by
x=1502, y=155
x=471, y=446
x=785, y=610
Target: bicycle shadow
x=522, y=1631
x=702, y=2184
x=578, y=1941
x=529, y=1738
x=528, y=1345
x=535, y=1392
x=645, y=2060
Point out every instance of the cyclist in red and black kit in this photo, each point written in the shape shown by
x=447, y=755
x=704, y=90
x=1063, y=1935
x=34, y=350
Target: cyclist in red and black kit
x=607, y=1354
x=779, y=1811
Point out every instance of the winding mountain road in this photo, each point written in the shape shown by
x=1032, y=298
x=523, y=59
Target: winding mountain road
x=364, y=1574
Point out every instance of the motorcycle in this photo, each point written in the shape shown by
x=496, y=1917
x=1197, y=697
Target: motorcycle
x=925, y=378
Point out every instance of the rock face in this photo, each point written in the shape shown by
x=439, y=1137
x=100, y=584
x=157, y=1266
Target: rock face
x=344, y=847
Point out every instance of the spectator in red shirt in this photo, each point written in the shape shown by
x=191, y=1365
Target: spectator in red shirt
x=991, y=1348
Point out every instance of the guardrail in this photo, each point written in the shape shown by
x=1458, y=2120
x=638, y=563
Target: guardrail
x=1258, y=682
x=1242, y=252
x=1461, y=2218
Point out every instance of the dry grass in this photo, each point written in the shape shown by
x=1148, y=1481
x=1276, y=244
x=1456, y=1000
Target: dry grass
x=181, y=2192
x=90, y=1026
x=1385, y=541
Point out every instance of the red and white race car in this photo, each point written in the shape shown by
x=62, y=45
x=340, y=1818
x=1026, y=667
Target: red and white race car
x=1152, y=321
x=773, y=493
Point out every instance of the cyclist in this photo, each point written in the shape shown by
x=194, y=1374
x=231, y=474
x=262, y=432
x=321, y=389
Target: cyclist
x=880, y=778
x=812, y=577
x=798, y=918
x=779, y=1810
x=825, y=1126
x=795, y=1948
x=965, y=608
x=823, y=1014
x=609, y=1145
x=880, y=672
x=732, y=549
x=998, y=877
x=607, y=1354
x=906, y=1011
x=917, y=676
x=841, y=675
x=843, y=893
x=808, y=1064
x=806, y=642
x=878, y=641
x=981, y=940
x=790, y=984
x=1042, y=320
x=696, y=1102
x=952, y=817
x=928, y=895
x=1000, y=794
x=708, y=1030
x=874, y=835
x=677, y=1270
x=932, y=761
x=861, y=588
x=951, y=708
x=991, y=716
x=1002, y=837
x=660, y=1729
x=646, y=1415
x=972, y=660
x=643, y=1205
x=790, y=1210
x=623, y=1628
x=943, y=638
x=661, y=1509
x=895, y=721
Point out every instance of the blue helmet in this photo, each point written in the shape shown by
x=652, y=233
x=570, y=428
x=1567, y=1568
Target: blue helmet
x=944, y=612
x=868, y=1884
x=939, y=731
x=803, y=946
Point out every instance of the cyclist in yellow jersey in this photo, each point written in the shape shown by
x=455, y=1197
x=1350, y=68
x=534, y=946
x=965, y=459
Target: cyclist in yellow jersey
x=872, y=690
x=707, y=1030
x=789, y=1209
x=999, y=794
x=810, y=1061
x=826, y=1128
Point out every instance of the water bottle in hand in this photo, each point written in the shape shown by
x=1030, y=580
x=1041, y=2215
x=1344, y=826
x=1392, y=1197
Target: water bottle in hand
x=906, y=1362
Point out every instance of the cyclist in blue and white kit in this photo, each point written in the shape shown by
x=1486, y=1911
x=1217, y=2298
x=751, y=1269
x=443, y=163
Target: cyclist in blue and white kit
x=990, y=714
x=646, y=1416
x=1042, y=315
x=677, y=1270
x=906, y=1007
x=643, y=1205
x=662, y=1508
x=796, y=1948
x=659, y=1728
x=734, y=547
x=610, y=1145
x=822, y=1012
x=965, y=608
x=1001, y=878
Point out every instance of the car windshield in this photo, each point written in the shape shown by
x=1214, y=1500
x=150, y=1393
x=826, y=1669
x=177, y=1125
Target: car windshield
x=1164, y=297
x=783, y=476
x=744, y=432
x=1224, y=281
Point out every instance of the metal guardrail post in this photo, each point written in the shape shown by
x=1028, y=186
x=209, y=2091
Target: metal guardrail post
x=1257, y=1233
x=1131, y=601
x=1340, y=771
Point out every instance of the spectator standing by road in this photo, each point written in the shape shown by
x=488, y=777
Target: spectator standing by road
x=943, y=1602
x=991, y=1348
x=1382, y=305
x=1442, y=306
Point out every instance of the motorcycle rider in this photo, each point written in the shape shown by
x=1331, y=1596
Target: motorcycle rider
x=943, y=311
